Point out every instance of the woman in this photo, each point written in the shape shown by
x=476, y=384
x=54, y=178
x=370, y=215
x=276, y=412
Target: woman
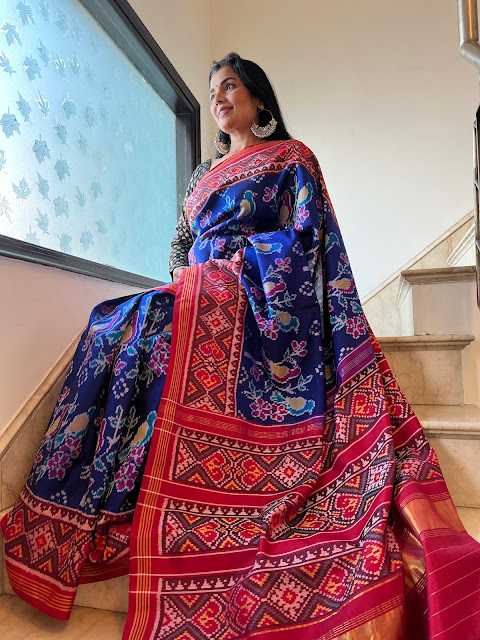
x=289, y=490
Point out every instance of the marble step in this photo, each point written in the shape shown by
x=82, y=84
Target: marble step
x=454, y=433
x=19, y=621
x=428, y=368
x=438, y=301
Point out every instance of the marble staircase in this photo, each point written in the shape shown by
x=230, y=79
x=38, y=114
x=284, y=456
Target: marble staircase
x=437, y=364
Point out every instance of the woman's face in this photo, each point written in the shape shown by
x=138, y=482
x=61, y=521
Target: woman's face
x=233, y=107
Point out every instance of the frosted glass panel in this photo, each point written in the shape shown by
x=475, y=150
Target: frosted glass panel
x=87, y=146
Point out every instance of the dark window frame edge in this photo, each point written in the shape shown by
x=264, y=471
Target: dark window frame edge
x=28, y=252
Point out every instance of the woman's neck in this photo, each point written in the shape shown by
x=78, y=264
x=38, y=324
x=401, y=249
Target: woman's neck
x=240, y=141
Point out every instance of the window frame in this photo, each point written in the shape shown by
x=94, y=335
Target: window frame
x=177, y=96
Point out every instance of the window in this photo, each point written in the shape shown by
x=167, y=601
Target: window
x=98, y=137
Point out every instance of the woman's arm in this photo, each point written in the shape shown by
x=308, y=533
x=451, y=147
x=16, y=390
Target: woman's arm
x=181, y=244
x=182, y=241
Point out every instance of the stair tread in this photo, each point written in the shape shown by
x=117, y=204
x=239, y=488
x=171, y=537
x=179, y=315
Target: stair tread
x=20, y=621
x=426, y=342
x=440, y=274
x=449, y=419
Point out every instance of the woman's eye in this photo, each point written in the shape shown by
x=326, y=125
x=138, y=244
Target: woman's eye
x=228, y=86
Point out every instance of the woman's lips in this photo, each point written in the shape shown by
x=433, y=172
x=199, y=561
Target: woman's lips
x=223, y=111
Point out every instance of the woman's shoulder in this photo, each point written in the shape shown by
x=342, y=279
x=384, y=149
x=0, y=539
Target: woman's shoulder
x=297, y=147
x=198, y=173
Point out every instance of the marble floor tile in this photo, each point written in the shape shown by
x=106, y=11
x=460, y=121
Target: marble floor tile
x=19, y=621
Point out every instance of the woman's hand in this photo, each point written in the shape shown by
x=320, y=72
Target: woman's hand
x=177, y=272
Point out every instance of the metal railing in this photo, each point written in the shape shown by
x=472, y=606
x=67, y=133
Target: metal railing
x=470, y=50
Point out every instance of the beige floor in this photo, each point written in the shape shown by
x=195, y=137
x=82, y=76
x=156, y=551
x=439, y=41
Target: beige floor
x=19, y=621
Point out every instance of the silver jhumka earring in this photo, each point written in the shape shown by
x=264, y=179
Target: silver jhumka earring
x=221, y=147
x=267, y=130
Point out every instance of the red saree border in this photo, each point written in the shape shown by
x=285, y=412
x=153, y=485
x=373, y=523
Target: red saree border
x=148, y=514
x=272, y=157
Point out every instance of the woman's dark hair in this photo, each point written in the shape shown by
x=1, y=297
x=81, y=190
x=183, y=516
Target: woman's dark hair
x=259, y=86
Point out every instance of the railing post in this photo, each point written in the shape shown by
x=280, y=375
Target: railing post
x=470, y=50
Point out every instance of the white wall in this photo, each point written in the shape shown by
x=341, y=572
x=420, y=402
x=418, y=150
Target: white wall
x=43, y=310
x=379, y=91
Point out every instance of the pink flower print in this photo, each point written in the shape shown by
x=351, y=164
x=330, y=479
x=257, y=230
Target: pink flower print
x=159, y=360
x=283, y=264
x=255, y=372
x=57, y=465
x=205, y=218
x=261, y=322
x=269, y=194
x=272, y=329
x=330, y=306
x=261, y=409
x=219, y=244
x=119, y=365
x=125, y=479
x=302, y=215
x=356, y=327
x=279, y=412
x=298, y=348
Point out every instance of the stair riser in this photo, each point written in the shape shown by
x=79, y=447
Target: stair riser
x=448, y=307
x=459, y=463
x=430, y=376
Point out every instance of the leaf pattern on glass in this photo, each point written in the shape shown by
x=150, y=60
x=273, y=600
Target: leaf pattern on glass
x=60, y=65
x=80, y=198
x=96, y=190
x=90, y=73
x=69, y=108
x=76, y=32
x=65, y=240
x=43, y=105
x=62, y=22
x=22, y=190
x=62, y=169
x=44, y=10
x=25, y=12
x=5, y=64
x=32, y=68
x=11, y=33
x=24, y=108
x=61, y=132
x=74, y=65
x=42, y=221
x=43, y=187
x=86, y=239
x=82, y=143
x=9, y=124
x=41, y=150
x=3, y=160
x=61, y=207
x=101, y=227
x=44, y=54
x=32, y=237
x=5, y=208
x=90, y=116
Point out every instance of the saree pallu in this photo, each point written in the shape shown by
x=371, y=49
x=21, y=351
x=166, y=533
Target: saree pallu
x=281, y=485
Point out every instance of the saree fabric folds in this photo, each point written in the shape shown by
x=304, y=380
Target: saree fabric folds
x=279, y=484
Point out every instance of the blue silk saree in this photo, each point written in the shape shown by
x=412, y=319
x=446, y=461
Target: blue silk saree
x=239, y=445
